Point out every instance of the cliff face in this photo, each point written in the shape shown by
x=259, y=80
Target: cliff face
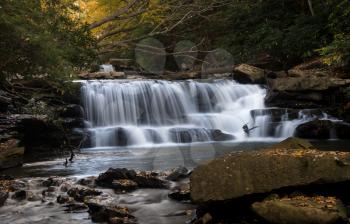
x=40, y=120
x=311, y=85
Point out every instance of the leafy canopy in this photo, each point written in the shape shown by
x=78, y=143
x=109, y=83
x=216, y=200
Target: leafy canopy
x=45, y=37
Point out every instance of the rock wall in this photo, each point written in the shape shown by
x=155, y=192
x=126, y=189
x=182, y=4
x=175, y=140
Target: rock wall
x=41, y=119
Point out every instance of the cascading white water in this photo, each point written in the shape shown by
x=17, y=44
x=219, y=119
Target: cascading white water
x=155, y=112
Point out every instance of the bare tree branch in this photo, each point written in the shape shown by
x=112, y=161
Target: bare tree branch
x=118, y=14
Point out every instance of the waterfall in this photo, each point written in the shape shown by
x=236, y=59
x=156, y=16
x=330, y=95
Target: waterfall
x=147, y=112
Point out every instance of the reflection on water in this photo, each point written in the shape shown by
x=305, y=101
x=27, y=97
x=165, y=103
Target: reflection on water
x=96, y=160
x=149, y=206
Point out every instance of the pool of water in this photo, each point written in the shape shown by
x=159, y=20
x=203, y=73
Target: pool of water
x=150, y=206
x=89, y=162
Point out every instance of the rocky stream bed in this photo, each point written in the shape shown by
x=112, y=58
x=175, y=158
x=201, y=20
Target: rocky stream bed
x=291, y=182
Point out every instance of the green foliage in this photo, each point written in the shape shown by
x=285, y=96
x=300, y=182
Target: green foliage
x=42, y=38
x=337, y=52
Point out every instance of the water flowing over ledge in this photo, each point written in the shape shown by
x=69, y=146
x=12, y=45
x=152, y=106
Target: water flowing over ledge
x=148, y=112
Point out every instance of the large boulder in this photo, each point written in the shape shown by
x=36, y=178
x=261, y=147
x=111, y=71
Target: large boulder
x=245, y=173
x=301, y=210
x=11, y=155
x=249, y=74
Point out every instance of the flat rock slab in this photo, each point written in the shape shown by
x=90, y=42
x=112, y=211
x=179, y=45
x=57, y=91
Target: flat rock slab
x=301, y=210
x=245, y=173
x=306, y=83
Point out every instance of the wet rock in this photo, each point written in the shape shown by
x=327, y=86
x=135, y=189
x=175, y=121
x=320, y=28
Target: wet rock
x=188, y=135
x=125, y=220
x=31, y=196
x=3, y=197
x=105, y=179
x=178, y=174
x=205, y=219
x=323, y=129
x=317, y=129
x=62, y=199
x=296, y=99
x=182, y=135
x=72, y=111
x=48, y=194
x=154, y=136
x=52, y=181
x=277, y=114
x=122, y=137
x=39, y=133
x=88, y=181
x=80, y=193
x=301, y=210
x=6, y=177
x=180, y=213
x=19, y=195
x=219, y=136
x=124, y=185
x=142, y=179
x=51, y=189
x=344, y=112
x=105, y=212
x=246, y=173
x=72, y=123
x=249, y=74
x=181, y=193
x=65, y=187
x=10, y=154
x=4, y=101
x=342, y=130
x=75, y=207
x=8, y=185
x=149, y=180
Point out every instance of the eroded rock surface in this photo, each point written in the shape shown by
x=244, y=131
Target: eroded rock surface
x=245, y=173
